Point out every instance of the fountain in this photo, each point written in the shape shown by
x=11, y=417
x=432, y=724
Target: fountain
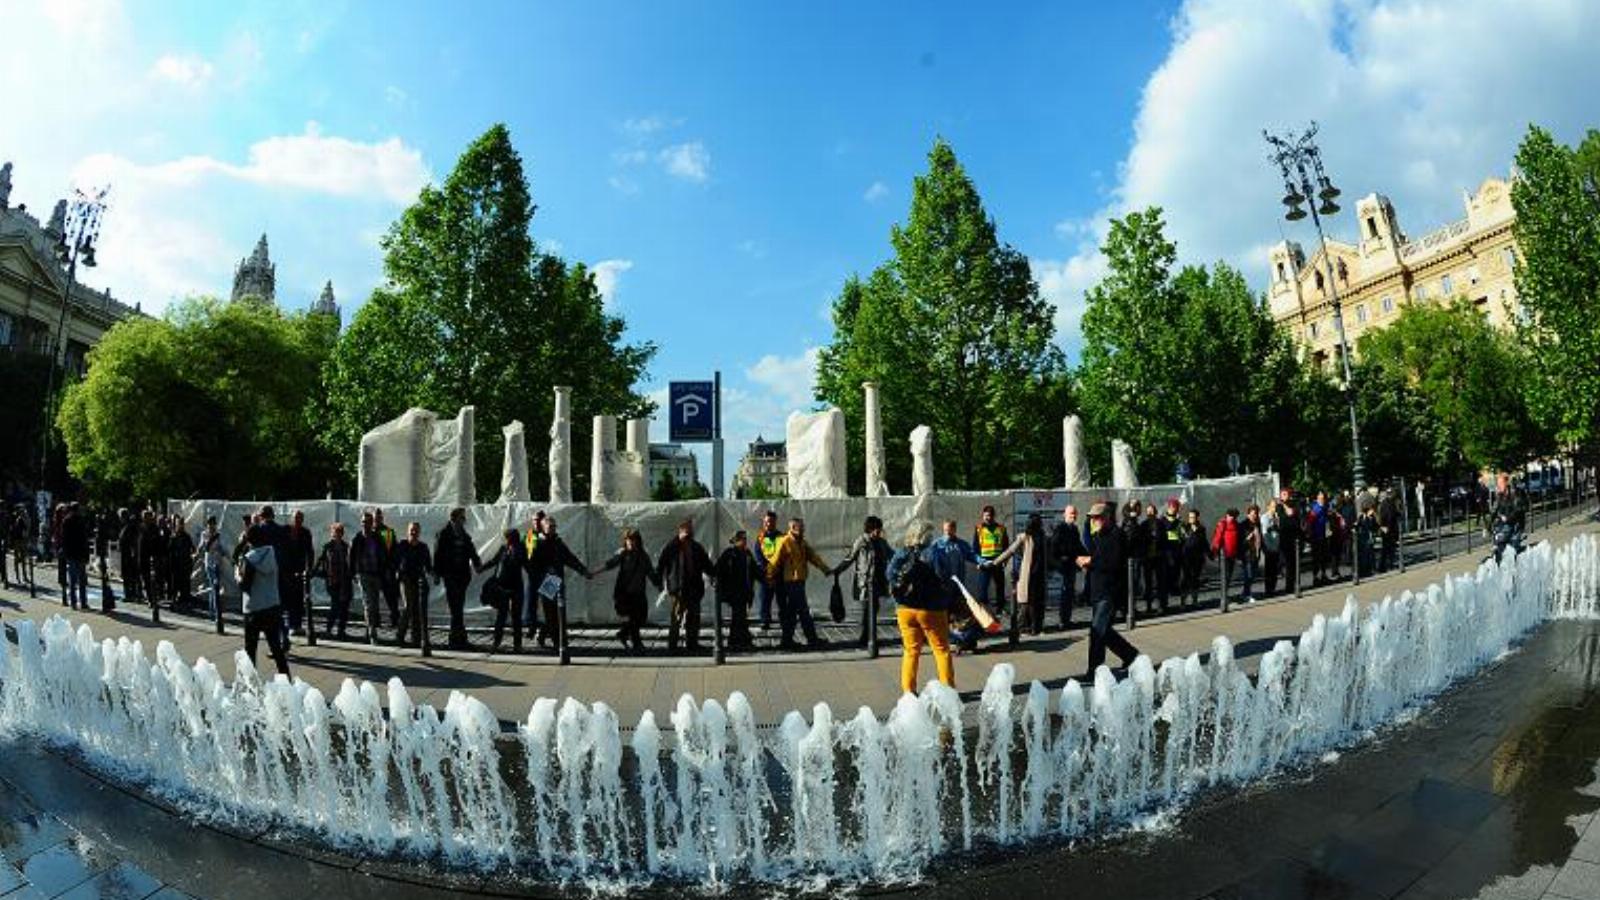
x=568, y=799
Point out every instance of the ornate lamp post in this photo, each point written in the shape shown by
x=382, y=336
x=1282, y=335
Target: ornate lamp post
x=74, y=245
x=1305, y=182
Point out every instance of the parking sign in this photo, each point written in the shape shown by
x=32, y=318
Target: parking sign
x=691, y=414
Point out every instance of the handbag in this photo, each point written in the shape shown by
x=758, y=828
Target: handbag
x=836, y=602
x=493, y=594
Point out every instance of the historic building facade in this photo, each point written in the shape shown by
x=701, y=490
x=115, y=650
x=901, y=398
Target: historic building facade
x=765, y=465
x=255, y=280
x=33, y=282
x=1385, y=269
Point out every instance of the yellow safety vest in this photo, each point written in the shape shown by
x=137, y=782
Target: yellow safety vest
x=769, y=545
x=530, y=541
x=990, y=538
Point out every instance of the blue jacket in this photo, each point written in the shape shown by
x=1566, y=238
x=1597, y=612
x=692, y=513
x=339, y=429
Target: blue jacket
x=949, y=558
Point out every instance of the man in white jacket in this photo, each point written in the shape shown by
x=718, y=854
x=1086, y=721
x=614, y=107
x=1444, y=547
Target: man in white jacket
x=263, y=618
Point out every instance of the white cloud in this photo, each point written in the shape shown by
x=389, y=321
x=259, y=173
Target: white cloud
x=608, y=277
x=1416, y=99
x=396, y=96
x=690, y=161
x=875, y=192
x=630, y=157
x=790, y=380
x=189, y=71
x=644, y=126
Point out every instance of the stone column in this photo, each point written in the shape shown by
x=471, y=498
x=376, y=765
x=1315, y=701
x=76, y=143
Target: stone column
x=1124, y=473
x=1077, y=467
x=877, y=485
x=601, y=457
x=514, y=468
x=921, y=461
x=561, y=448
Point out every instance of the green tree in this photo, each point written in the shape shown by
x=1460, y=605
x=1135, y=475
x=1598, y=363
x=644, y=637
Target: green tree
x=473, y=314
x=1557, y=200
x=667, y=489
x=1471, y=378
x=1187, y=365
x=954, y=332
x=210, y=400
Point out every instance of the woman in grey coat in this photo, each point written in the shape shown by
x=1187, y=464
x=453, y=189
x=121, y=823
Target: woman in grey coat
x=869, y=556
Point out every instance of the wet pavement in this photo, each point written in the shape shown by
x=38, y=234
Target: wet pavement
x=1490, y=793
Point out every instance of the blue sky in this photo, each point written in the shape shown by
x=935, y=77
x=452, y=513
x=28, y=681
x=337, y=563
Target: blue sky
x=726, y=165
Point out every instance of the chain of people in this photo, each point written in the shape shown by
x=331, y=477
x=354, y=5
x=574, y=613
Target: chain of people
x=946, y=589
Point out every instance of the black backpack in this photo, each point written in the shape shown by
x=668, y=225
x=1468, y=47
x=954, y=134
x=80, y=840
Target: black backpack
x=909, y=579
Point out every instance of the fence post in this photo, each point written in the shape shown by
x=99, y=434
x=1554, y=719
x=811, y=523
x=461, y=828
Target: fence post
x=1131, y=621
x=718, y=654
x=1014, y=632
x=1466, y=518
x=872, y=625
x=561, y=627
x=1227, y=581
x=1353, y=538
x=1299, y=549
x=311, y=611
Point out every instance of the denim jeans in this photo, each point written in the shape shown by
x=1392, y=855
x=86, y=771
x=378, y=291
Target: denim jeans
x=77, y=583
x=214, y=588
x=1247, y=575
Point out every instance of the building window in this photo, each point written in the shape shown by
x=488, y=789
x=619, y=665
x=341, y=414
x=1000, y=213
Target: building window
x=1388, y=305
x=5, y=330
x=1472, y=273
x=1509, y=254
x=1361, y=313
x=1280, y=270
x=1312, y=330
x=1446, y=287
x=1372, y=226
x=1319, y=279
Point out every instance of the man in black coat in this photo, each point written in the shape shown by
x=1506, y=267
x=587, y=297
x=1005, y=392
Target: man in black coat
x=128, y=553
x=75, y=544
x=683, y=566
x=295, y=555
x=454, y=559
x=1107, y=557
x=1066, y=545
x=1289, y=539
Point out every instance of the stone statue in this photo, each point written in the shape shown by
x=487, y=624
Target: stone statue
x=561, y=448
x=58, y=219
x=877, y=485
x=1077, y=467
x=921, y=461
x=816, y=455
x=1124, y=473
x=514, y=470
x=5, y=186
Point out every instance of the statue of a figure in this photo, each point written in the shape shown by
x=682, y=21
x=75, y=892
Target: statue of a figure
x=5, y=186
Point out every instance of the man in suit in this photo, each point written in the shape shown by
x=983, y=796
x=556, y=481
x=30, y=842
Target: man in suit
x=1107, y=557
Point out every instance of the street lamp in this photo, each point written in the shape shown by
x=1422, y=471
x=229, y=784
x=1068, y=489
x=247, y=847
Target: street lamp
x=1306, y=183
x=75, y=244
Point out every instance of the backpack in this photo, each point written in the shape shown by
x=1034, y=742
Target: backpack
x=908, y=579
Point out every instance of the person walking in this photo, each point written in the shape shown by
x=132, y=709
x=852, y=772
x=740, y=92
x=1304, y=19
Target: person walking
x=1107, y=557
x=413, y=567
x=921, y=608
x=949, y=556
x=1196, y=549
x=454, y=558
x=390, y=580
x=736, y=577
x=683, y=566
x=1271, y=534
x=552, y=559
x=334, y=567
x=369, y=559
x=213, y=556
x=990, y=538
x=503, y=591
x=628, y=595
x=787, y=574
x=1066, y=545
x=766, y=549
x=297, y=554
x=1033, y=573
x=74, y=551
x=263, y=618
x=869, y=557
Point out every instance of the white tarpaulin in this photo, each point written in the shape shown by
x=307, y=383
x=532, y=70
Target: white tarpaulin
x=921, y=461
x=514, y=470
x=1072, y=455
x=418, y=458
x=561, y=447
x=816, y=455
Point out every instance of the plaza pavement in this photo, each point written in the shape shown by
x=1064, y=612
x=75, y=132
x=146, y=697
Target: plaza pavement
x=775, y=684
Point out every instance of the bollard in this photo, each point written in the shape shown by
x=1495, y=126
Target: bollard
x=1131, y=621
x=155, y=609
x=1299, y=550
x=1015, y=635
x=872, y=625
x=216, y=605
x=311, y=614
x=561, y=627
x=718, y=650
x=1438, y=537
x=1355, y=557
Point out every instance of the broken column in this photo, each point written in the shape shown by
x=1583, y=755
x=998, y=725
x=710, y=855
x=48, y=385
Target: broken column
x=449, y=461
x=601, y=457
x=561, y=448
x=630, y=481
x=514, y=468
x=816, y=455
x=1077, y=466
x=877, y=483
x=1124, y=473
x=390, y=468
x=921, y=461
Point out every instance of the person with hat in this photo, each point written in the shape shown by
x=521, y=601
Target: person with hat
x=1106, y=559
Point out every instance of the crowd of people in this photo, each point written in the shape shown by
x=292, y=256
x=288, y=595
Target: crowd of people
x=947, y=592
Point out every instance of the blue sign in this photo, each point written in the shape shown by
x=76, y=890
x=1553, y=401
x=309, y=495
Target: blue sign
x=691, y=411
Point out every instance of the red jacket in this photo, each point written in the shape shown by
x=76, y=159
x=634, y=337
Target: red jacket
x=1225, y=539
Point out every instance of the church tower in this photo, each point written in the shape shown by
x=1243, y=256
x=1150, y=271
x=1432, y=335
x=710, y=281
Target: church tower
x=325, y=305
x=256, y=277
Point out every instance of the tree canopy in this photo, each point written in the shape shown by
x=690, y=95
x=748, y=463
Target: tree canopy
x=473, y=314
x=1557, y=199
x=953, y=330
x=209, y=400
